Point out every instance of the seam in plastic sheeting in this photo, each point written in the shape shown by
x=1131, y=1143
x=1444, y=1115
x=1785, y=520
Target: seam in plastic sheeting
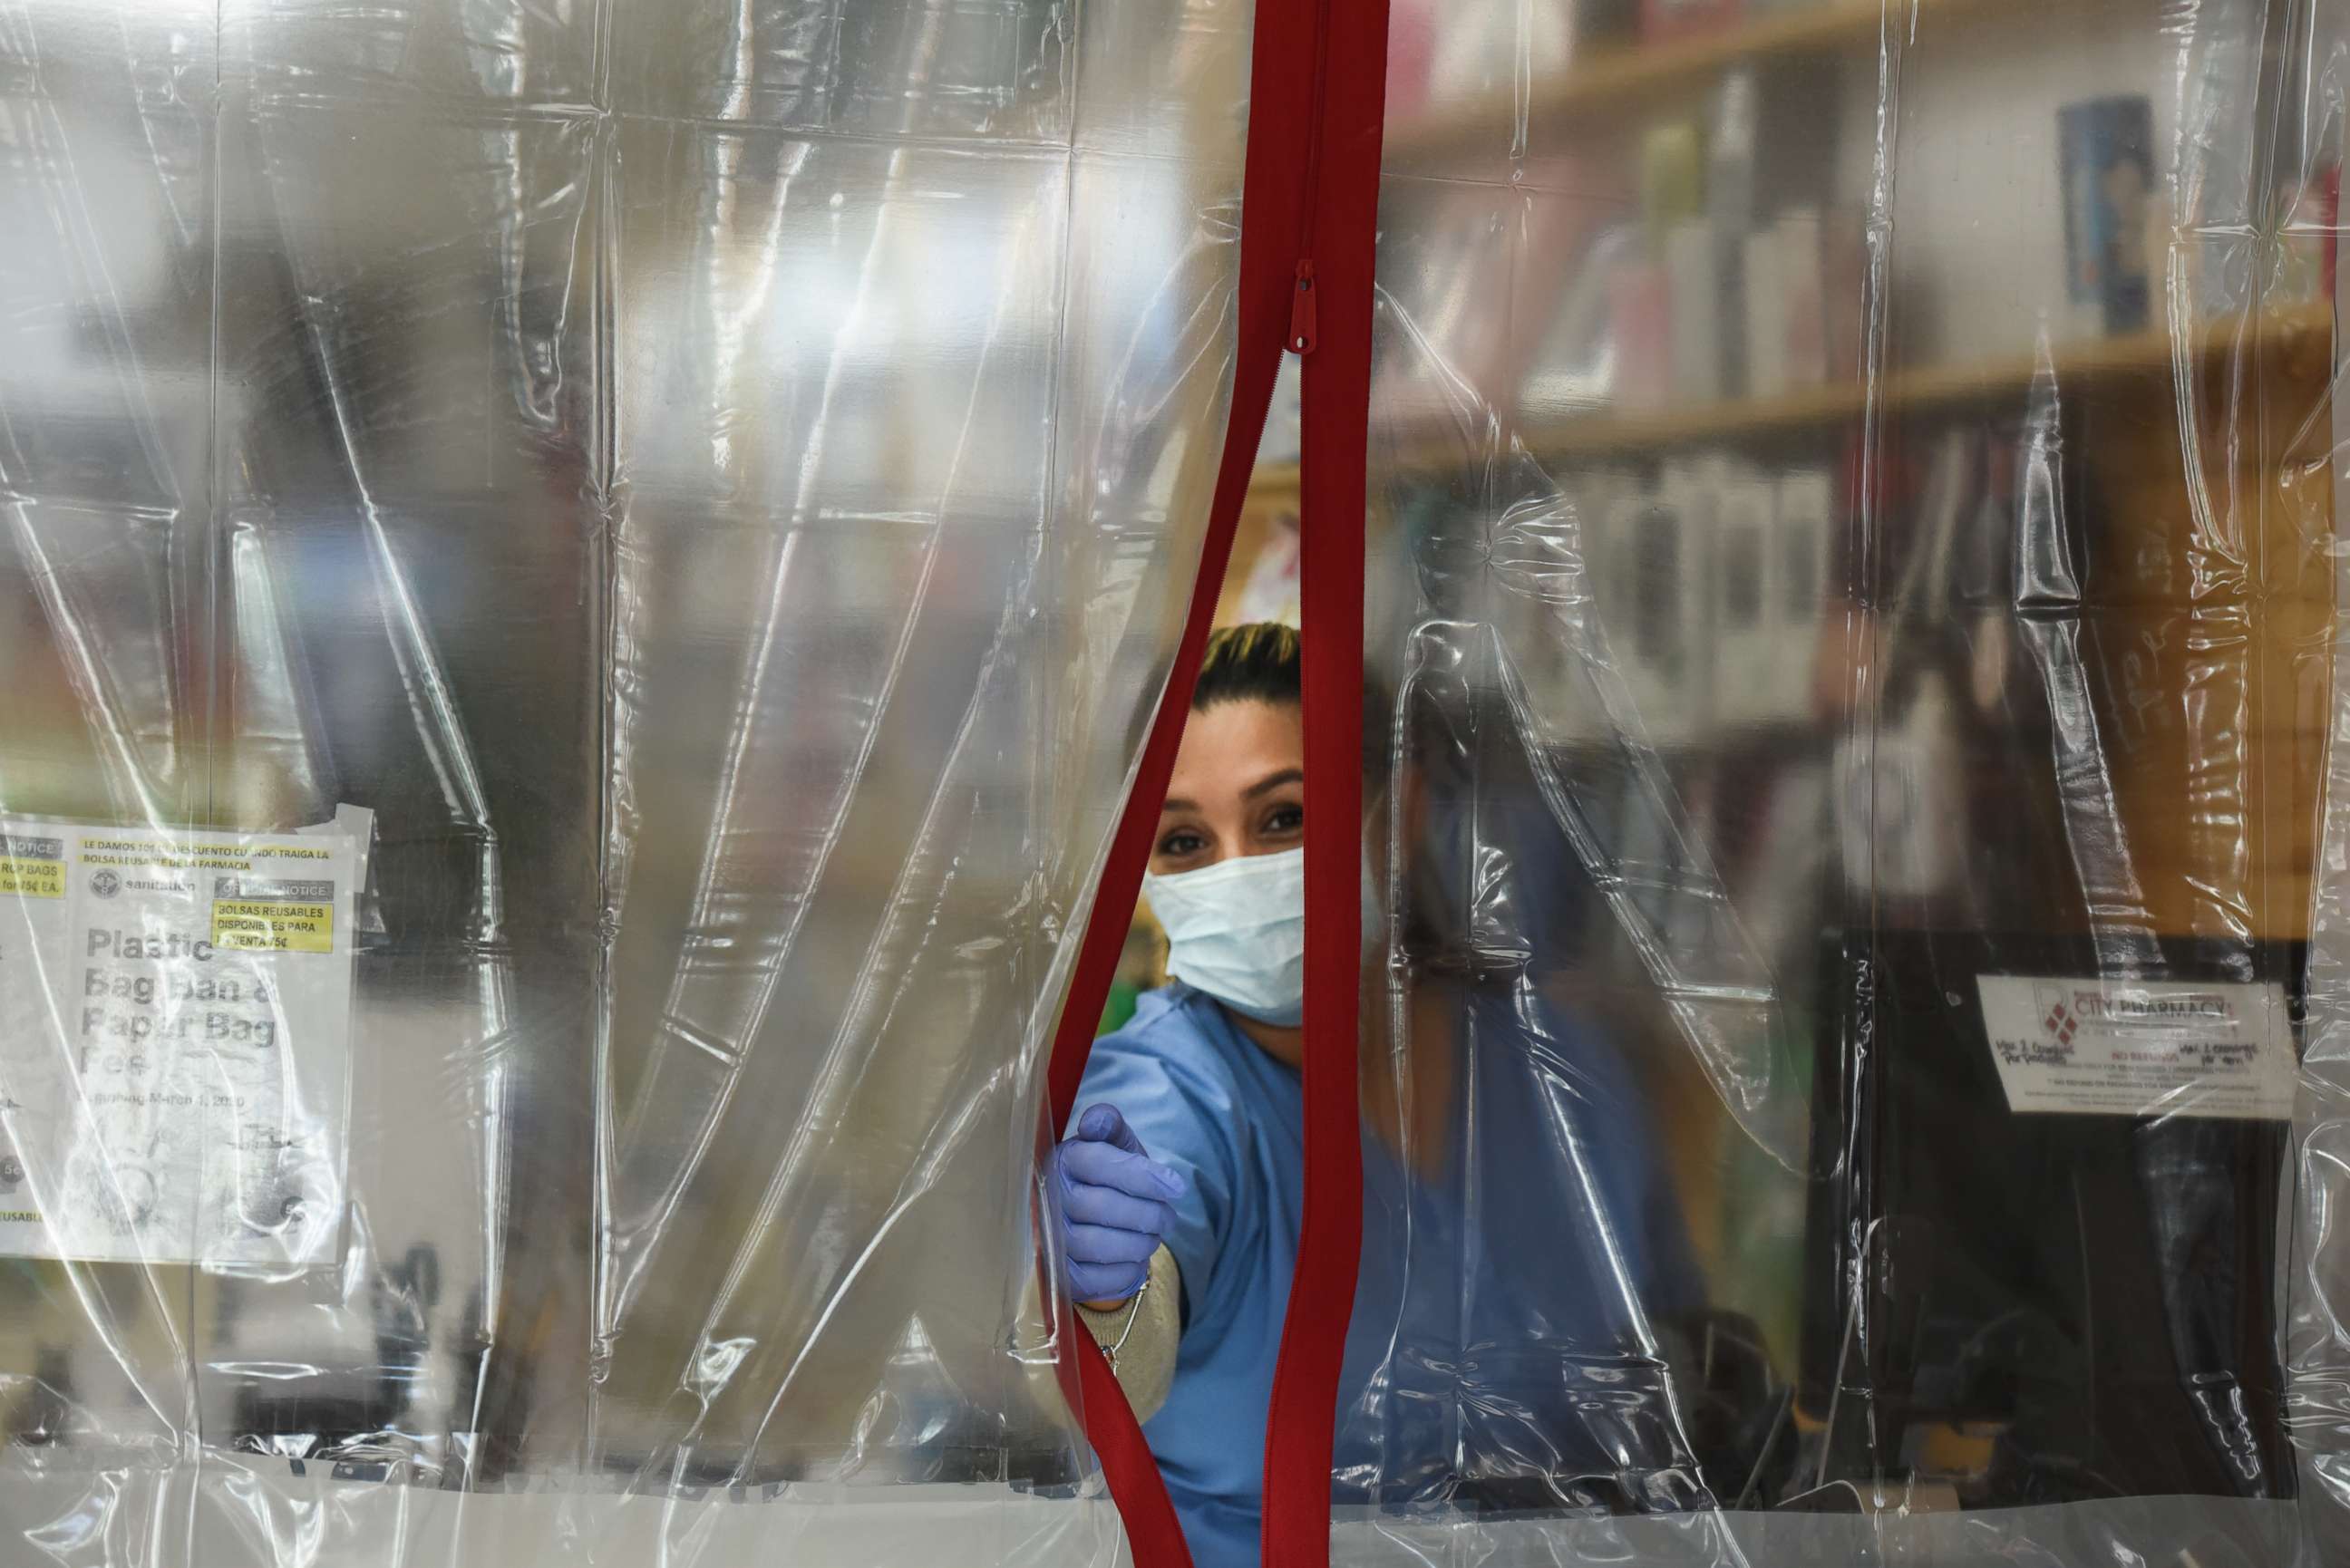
x=257, y=1511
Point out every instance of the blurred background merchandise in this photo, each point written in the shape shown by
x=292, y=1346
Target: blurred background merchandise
x=1850, y=488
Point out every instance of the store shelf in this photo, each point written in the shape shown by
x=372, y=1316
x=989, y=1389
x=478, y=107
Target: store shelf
x=2298, y=341
x=1626, y=73
x=2069, y=367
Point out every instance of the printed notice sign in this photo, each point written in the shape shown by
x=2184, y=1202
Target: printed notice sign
x=32, y=865
x=175, y=1039
x=2140, y=1048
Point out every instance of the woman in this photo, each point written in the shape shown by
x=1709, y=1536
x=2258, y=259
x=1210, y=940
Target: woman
x=1181, y=1186
x=1188, y=1158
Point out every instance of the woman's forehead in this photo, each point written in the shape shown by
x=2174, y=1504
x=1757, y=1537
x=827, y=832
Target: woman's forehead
x=1231, y=745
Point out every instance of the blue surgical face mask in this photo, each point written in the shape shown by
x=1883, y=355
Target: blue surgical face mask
x=1236, y=930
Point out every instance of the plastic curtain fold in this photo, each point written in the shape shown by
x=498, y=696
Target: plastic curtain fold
x=1852, y=633
x=720, y=486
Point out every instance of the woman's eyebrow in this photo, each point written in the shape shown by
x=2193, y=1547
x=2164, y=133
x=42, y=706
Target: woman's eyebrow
x=1273, y=782
x=1176, y=802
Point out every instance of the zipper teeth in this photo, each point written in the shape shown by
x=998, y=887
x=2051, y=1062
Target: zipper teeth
x=1313, y=126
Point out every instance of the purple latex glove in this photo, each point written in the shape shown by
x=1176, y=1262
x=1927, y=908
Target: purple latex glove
x=1110, y=1200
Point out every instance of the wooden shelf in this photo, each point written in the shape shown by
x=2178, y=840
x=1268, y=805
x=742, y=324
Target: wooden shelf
x=2301, y=337
x=1624, y=73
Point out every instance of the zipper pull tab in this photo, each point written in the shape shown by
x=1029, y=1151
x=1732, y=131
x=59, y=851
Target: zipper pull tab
x=1301, y=312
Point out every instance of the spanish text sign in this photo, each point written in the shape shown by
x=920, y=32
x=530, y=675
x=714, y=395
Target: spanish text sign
x=175, y=1041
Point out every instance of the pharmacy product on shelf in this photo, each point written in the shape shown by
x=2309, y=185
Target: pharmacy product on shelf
x=1804, y=540
x=1745, y=626
x=2106, y=149
x=1693, y=282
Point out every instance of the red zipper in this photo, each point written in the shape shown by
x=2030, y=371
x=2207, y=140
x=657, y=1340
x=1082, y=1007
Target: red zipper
x=1303, y=328
x=1301, y=312
x=1348, y=86
x=1296, y=1526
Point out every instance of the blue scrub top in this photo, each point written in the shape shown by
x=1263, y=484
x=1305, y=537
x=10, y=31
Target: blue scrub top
x=1498, y=1322
x=1493, y=1319
x=1205, y=1100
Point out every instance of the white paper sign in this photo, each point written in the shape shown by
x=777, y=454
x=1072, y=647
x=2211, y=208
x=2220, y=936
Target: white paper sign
x=175, y=1041
x=2140, y=1048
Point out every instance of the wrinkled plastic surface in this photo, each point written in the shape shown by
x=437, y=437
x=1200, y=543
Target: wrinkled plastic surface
x=1853, y=1065
x=718, y=482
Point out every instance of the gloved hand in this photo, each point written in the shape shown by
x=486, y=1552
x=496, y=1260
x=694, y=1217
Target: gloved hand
x=1110, y=1201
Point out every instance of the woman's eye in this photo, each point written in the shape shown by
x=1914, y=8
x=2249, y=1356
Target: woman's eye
x=1284, y=820
x=1181, y=843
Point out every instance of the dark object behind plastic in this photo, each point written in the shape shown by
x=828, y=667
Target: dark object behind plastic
x=2092, y=1294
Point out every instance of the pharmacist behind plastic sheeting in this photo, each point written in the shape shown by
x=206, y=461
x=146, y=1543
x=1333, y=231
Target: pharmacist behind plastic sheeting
x=1855, y=1046
x=578, y=585
x=581, y=584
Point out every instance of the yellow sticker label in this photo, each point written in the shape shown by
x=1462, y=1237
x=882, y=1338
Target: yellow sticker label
x=268, y=926
x=33, y=879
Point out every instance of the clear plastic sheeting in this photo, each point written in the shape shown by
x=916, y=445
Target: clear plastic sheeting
x=719, y=483
x=701, y=496
x=1853, y=1056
